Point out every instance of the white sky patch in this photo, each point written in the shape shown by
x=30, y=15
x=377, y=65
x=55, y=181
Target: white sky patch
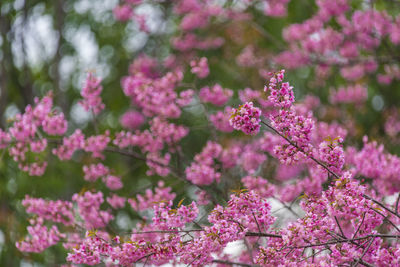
x=79, y=115
x=85, y=44
x=41, y=39
x=2, y=240
x=11, y=111
x=135, y=41
x=39, y=36
x=153, y=15
x=234, y=248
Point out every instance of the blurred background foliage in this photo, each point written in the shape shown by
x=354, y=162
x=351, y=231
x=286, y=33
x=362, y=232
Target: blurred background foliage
x=51, y=45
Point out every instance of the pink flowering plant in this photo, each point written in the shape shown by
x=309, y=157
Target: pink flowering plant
x=216, y=149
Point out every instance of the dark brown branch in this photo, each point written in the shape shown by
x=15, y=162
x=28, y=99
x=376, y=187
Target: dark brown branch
x=359, y=226
x=397, y=204
x=365, y=251
x=232, y=263
x=263, y=234
x=337, y=241
x=340, y=228
x=381, y=205
x=387, y=219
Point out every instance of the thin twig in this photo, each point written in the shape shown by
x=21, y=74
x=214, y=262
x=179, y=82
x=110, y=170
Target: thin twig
x=340, y=228
x=381, y=205
x=296, y=146
x=397, y=204
x=365, y=251
x=359, y=226
x=233, y=263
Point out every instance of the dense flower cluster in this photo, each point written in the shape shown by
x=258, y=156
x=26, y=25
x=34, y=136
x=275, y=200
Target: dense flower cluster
x=246, y=118
x=353, y=94
x=332, y=154
x=204, y=170
x=341, y=213
x=292, y=195
x=40, y=237
x=221, y=120
x=91, y=94
x=200, y=67
x=286, y=121
x=247, y=214
x=215, y=95
x=56, y=211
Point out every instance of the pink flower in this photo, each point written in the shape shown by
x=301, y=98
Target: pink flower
x=91, y=94
x=215, y=95
x=200, y=67
x=246, y=118
x=123, y=12
x=132, y=119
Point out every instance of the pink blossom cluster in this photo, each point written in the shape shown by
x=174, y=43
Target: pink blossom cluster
x=259, y=185
x=169, y=133
x=220, y=120
x=248, y=58
x=158, y=164
x=246, y=118
x=276, y=8
x=338, y=206
x=97, y=246
x=391, y=72
x=113, y=182
x=25, y=135
x=251, y=159
x=89, y=209
x=230, y=155
x=195, y=16
x=356, y=94
x=204, y=170
x=331, y=152
x=323, y=130
x=288, y=123
x=116, y=201
x=41, y=237
x=146, y=201
x=249, y=95
x=374, y=163
x=280, y=93
x=96, y=144
x=200, y=67
x=392, y=124
x=124, y=11
x=146, y=65
x=190, y=41
x=350, y=46
x=91, y=94
x=154, y=95
x=161, y=133
x=215, y=95
x=91, y=250
x=57, y=211
x=166, y=218
x=69, y=145
x=93, y=172
x=5, y=139
x=341, y=212
x=132, y=120
x=203, y=198
x=245, y=212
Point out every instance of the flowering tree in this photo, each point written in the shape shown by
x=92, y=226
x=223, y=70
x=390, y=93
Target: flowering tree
x=298, y=183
